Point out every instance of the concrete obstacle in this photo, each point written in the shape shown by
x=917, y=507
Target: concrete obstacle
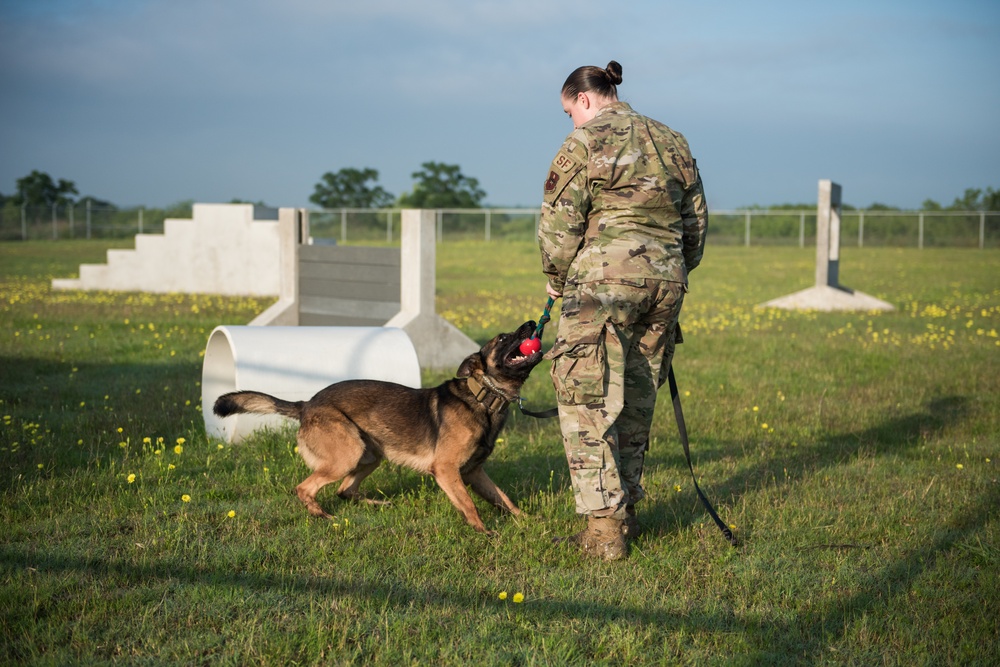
x=293, y=363
x=828, y=294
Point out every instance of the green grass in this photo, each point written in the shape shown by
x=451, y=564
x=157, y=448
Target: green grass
x=855, y=453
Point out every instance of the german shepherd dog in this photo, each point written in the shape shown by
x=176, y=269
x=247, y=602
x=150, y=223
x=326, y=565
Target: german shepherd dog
x=448, y=431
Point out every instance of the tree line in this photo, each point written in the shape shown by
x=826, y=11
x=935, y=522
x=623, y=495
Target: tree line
x=436, y=185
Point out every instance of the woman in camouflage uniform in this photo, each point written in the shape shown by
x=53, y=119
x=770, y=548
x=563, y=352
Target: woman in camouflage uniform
x=623, y=223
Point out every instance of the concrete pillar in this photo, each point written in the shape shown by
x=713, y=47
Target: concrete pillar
x=293, y=230
x=828, y=294
x=828, y=208
x=417, y=262
x=439, y=344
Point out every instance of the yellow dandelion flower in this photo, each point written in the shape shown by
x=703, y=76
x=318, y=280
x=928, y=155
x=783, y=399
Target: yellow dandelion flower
x=503, y=595
x=518, y=598
x=755, y=408
x=171, y=466
x=186, y=498
x=178, y=449
x=181, y=441
x=220, y=446
x=120, y=429
x=147, y=440
x=677, y=488
x=764, y=426
x=231, y=513
x=959, y=466
x=130, y=478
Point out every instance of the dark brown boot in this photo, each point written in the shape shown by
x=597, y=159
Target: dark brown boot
x=630, y=527
x=602, y=538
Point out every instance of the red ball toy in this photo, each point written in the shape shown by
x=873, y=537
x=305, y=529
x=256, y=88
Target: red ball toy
x=530, y=345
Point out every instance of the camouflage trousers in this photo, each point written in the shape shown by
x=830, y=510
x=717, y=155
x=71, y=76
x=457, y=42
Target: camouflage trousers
x=612, y=352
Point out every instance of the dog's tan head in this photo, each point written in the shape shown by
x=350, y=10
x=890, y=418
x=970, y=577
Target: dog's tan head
x=501, y=359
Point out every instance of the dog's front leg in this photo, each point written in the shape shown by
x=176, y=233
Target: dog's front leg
x=450, y=481
x=489, y=491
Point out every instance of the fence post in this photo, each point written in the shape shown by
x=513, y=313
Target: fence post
x=343, y=225
x=440, y=225
x=69, y=206
x=982, y=229
x=920, y=231
x=487, y=225
x=861, y=229
x=746, y=234
x=802, y=229
x=88, y=218
x=388, y=226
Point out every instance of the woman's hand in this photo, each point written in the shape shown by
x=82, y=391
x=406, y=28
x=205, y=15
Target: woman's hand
x=551, y=291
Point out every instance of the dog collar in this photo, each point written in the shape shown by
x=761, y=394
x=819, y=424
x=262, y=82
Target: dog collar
x=490, y=395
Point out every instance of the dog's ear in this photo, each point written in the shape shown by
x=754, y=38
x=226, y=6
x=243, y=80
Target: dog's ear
x=470, y=364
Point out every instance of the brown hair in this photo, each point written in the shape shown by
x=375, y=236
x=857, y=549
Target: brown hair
x=593, y=79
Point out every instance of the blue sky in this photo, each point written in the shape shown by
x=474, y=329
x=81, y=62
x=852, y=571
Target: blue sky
x=150, y=102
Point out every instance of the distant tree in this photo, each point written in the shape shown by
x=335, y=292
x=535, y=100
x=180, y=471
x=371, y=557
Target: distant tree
x=878, y=206
x=971, y=200
x=930, y=205
x=38, y=189
x=975, y=199
x=349, y=188
x=96, y=203
x=991, y=200
x=442, y=185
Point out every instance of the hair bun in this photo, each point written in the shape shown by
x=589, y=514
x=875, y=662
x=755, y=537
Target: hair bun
x=614, y=72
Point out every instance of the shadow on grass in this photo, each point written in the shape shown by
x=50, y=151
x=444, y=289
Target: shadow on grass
x=890, y=437
x=806, y=637
x=809, y=635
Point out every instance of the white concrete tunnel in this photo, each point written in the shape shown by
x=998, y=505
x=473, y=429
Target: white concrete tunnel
x=293, y=363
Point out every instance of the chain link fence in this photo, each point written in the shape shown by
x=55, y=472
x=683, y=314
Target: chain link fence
x=83, y=221
x=915, y=229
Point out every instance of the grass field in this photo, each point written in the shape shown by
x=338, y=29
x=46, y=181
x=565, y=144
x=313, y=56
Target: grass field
x=855, y=454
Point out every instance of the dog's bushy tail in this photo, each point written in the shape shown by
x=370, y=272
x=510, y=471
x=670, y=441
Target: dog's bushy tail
x=237, y=402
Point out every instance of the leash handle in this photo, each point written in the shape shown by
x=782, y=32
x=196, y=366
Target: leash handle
x=682, y=429
x=543, y=320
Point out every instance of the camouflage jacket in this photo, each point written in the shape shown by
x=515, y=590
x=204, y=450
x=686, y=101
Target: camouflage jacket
x=623, y=202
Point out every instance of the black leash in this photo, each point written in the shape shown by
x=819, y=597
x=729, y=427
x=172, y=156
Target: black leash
x=682, y=430
x=679, y=415
x=542, y=414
